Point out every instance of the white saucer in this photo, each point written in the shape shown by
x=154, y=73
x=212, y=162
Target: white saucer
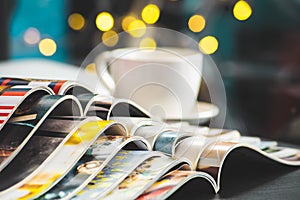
x=201, y=113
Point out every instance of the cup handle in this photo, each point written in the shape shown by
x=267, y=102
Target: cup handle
x=102, y=71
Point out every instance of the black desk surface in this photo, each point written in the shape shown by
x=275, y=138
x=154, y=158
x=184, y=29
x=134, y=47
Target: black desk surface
x=275, y=183
x=245, y=179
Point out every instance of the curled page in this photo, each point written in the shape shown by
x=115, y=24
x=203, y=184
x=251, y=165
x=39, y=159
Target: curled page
x=51, y=170
x=20, y=130
x=12, y=97
x=60, y=87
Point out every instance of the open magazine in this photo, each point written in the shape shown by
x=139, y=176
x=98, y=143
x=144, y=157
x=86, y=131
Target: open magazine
x=58, y=140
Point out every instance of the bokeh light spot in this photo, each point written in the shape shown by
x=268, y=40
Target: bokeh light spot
x=196, y=23
x=47, y=47
x=126, y=21
x=242, y=10
x=91, y=68
x=148, y=43
x=137, y=28
x=104, y=21
x=150, y=13
x=208, y=45
x=76, y=21
x=110, y=38
x=32, y=36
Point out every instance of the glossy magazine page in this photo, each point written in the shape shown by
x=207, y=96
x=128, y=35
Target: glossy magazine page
x=143, y=177
x=11, y=97
x=59, y=87
x=90, y=164
x=114, y=173
x=43, y=108
x=56, y=165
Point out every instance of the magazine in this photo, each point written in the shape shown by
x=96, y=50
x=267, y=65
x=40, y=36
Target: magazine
x=45, y=107
x=38, y=104
x=12, y=96
x=150, y=168
x=55, y=166
x=86, y=170
x=82, y=145
x=210, y=167
x=60, y=87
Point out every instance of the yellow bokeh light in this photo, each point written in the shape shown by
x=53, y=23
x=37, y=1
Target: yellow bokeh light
x=148, y=43
x=150, y=13
x=196, y=23
x=104, y=21
x=208, y=45
x=76, y=21
x=91, y=68
x=110, y=38
x=137, y=28
x=242, y=10
x=47, y=47
x=126, y=21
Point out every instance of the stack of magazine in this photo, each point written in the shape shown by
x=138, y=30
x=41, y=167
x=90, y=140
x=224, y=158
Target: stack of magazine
x=59, y=140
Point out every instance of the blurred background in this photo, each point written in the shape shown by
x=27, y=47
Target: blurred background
x=255, y=44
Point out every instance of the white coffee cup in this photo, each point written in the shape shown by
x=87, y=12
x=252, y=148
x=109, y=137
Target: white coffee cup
x=164, y=81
